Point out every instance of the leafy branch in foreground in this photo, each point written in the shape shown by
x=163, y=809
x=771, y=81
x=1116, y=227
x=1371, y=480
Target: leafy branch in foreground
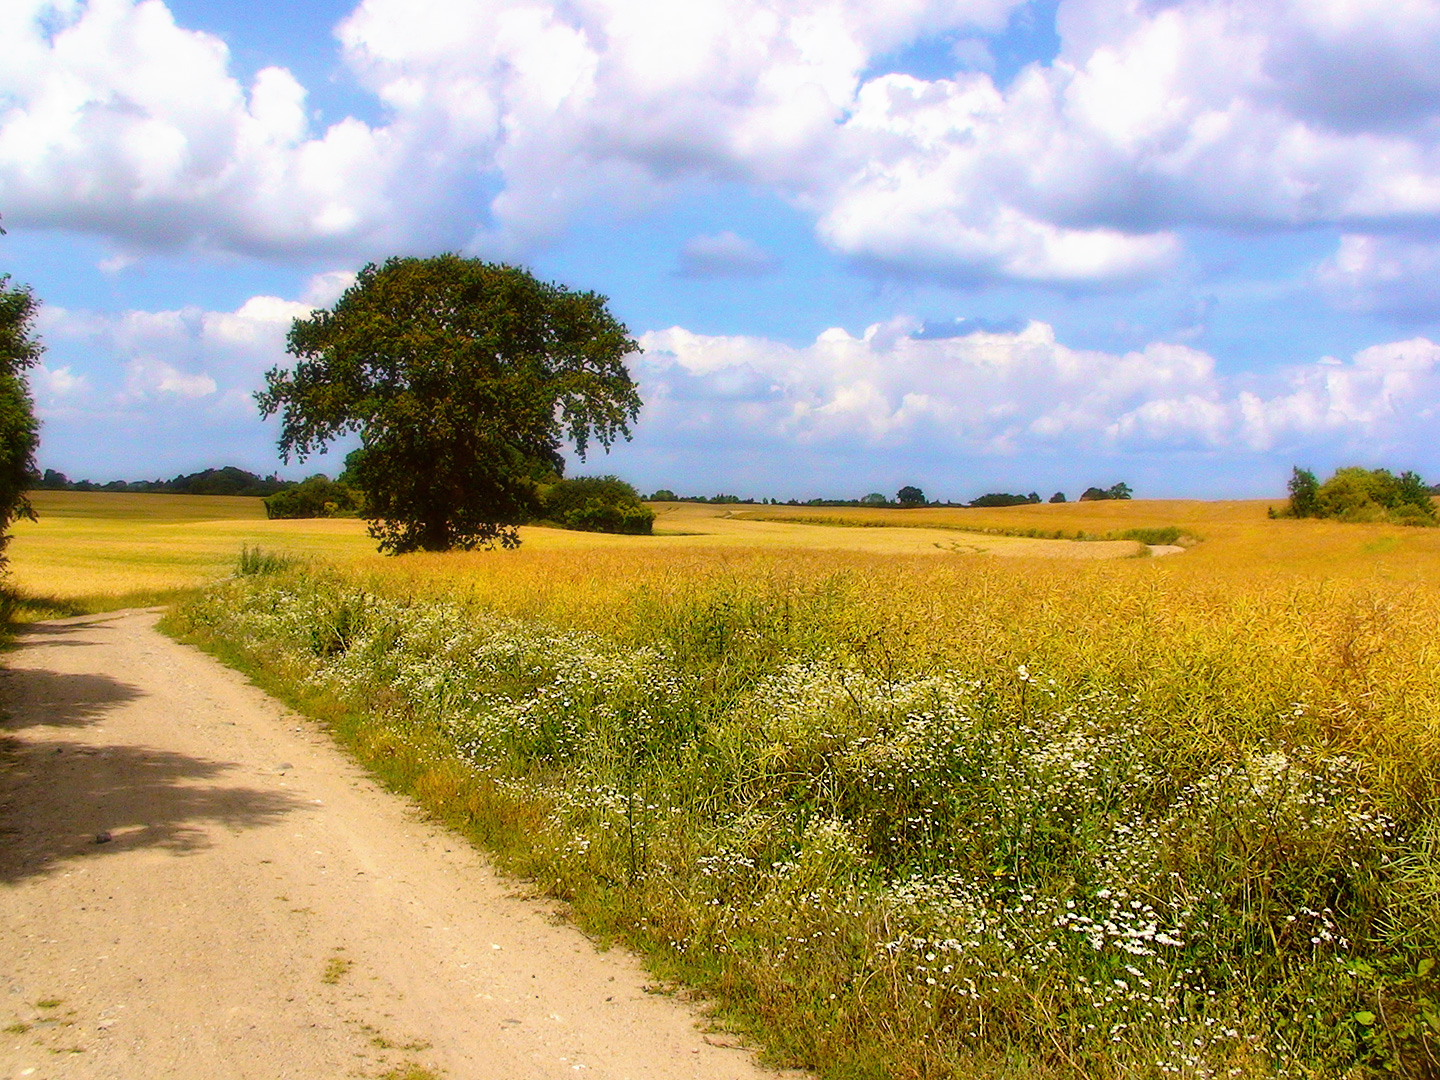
x=19, y=430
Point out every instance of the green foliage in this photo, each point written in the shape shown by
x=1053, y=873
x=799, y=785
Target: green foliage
x=253, y=561
x=1160, y=534
x=874, y=499
x=463, y=379
x=910, y=496
x=663, y=495
x=1001, y=498
x=1095, y=494
x=1058, y=497
x=226, y=481
x=19, y=430
x=315, y=496
x=1361, y=495
x=596, y=504
x=1304, y=493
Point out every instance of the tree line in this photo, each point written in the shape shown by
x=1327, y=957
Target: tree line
x=228, y=480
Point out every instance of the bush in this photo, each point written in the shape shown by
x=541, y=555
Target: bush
x=1000, y=498
x=316, y=496
x=1355, y=494
x=1095, y=494
x=596, y=504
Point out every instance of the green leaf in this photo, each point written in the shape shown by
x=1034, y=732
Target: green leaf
x=1366, y=1018
x=1424, y=967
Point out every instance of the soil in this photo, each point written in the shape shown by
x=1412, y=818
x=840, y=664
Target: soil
x=195, y=882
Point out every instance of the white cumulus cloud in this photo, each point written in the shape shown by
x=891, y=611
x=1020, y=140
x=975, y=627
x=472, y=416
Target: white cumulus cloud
x=1023, y=392
x=1155, y=117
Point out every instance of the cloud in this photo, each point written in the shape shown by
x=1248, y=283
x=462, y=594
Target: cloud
x=724, y=255
x=1080, y=173
x=113, y=119
x=142, y=390
x=1384, y=275
x=1024, y=392
x=56, y=384
x=146, y=376
x=130, y=392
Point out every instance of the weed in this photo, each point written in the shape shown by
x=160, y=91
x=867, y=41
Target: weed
x=336, y=968
x=411, y=1072
x=17, y=1028
x=255, y=560
x=50, y=1003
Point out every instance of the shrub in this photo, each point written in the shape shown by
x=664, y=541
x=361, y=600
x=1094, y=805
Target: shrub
x=316, y=496
x=1000, y=498
x=1095, y=494
x=1362, y=495
x=596, y=504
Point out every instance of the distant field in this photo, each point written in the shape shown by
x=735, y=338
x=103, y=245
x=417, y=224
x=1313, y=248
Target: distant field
x=92, y=550
x=101, y=548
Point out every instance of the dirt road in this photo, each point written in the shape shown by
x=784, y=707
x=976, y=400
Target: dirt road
x=195, y=883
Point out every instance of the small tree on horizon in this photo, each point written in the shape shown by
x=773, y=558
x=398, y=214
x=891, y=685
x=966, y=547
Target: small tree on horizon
x=910, y=495
x=1304, y=493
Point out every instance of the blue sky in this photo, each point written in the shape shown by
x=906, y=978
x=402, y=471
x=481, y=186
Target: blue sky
x=972, y=245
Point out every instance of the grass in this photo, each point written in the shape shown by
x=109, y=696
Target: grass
x=336, y=968
x=907, y=812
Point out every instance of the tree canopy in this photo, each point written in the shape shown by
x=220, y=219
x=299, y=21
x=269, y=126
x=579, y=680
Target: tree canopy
x=19, y=430
x=463, y=380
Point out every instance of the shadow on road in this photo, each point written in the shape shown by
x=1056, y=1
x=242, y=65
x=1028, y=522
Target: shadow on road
x=63, y=800
x=32, y=696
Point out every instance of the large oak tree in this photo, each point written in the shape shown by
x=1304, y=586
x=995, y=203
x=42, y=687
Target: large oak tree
x=463, y=379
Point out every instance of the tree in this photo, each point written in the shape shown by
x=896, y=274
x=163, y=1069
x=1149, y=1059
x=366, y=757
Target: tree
x=1095, y=494
x=910, y=496
x=463, y=379
x=19, y=430
x=1304, y=493
x=1058, y=497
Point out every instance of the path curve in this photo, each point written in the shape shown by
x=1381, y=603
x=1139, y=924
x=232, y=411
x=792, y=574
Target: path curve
x=194, y=882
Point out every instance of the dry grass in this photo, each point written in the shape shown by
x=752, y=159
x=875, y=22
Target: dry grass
x=97, y=550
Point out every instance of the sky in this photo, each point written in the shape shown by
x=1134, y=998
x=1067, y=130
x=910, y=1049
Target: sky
x=970, y=245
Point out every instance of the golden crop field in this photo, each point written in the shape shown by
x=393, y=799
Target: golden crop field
x=908, y=799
